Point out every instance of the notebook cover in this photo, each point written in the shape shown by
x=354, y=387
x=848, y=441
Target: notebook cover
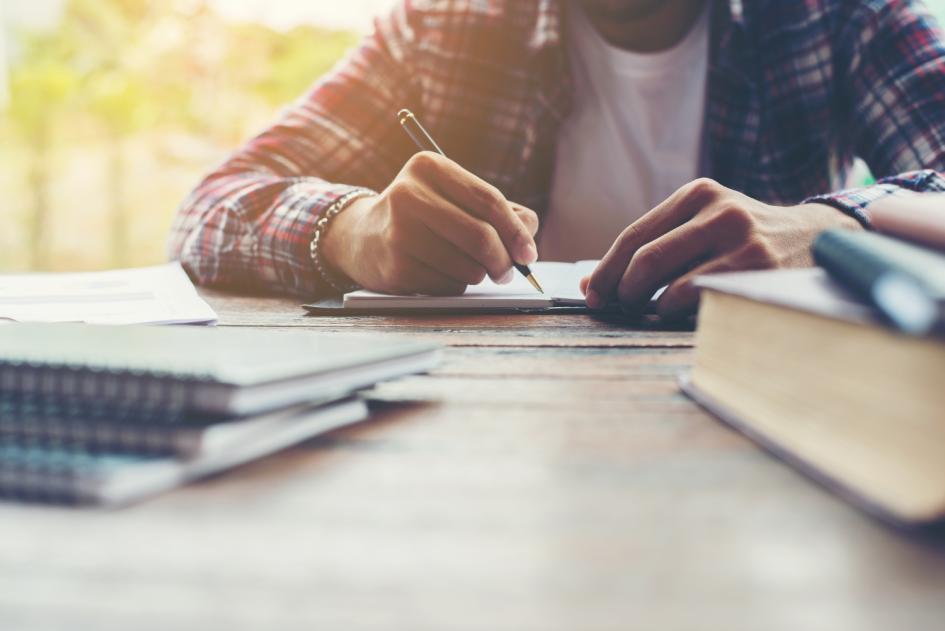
x=55, y=424
x=797, y=461
x=228, y=356
x=804, y=289
x=74, y=476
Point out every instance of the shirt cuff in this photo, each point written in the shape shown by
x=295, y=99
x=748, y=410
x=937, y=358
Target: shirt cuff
x=283, y=243
x=856, y=201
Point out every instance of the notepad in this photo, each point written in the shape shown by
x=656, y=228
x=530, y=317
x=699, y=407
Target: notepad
x=162, y=294
x=71, y=473
x=561, y=282
x=221, y=371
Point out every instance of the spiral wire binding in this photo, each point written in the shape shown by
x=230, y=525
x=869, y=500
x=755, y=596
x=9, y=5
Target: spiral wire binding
x=58, y=421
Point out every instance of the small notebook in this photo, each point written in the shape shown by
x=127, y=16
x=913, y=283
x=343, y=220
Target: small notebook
x=162, y=294
x=71, y=474
x=210, y=371
x=561, y=282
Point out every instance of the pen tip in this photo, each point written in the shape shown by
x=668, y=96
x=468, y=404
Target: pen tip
x=534, y=281
x=403, y=115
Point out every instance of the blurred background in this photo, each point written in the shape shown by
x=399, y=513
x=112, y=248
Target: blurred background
x=111, y=111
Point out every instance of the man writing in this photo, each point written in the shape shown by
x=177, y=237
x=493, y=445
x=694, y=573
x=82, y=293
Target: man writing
x=680, y=137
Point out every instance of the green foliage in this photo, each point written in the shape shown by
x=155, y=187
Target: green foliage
x=292, y=59
x=42, y=85
x=127, y=87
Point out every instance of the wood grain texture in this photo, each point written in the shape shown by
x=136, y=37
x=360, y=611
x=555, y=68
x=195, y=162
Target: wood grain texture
x=552, y=478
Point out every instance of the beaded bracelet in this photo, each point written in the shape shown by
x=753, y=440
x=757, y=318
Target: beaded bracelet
x=333, y=280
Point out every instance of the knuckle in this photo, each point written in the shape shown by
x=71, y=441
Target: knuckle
x=647, y=257
x=736, y=219
x=704, y=187
x=529, y=218
x=488, y=197
x=759, y=253
x=483, y=239
x=422, y=162
x=627, y=238
x=401, y=194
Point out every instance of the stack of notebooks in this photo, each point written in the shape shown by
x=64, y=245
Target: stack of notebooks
x=838, y=369
x=107, y=415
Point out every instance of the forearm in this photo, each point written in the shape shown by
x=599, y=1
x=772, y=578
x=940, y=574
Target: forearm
x=251, y=222
x=253, y=231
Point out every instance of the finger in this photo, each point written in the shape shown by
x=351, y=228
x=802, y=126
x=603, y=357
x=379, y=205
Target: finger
x=480, y=199
x=584, y=283
x=681, y=297
x=676, y=210
x=528, y=217
x=663, y=260
x=474, y=237
x=410, y=276
x=435, y=252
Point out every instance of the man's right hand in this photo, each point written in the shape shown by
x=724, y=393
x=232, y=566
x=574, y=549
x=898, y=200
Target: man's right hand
x=436, y=229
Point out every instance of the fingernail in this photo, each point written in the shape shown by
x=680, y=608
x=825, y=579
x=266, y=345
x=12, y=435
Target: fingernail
x=509, y=276
x=593, y=299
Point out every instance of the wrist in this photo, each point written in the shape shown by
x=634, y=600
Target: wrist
x=827, y=216
x=330, y=245
x=338, y=242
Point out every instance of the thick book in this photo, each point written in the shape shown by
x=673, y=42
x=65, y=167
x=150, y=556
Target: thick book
x=801, y=366
x=71, y=474
x=218, y=371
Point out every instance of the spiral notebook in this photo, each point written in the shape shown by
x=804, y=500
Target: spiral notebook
x=77, y=474
x=223, y=372
x=56, y=425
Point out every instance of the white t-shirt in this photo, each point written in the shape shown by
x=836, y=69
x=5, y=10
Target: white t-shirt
x=633, y=137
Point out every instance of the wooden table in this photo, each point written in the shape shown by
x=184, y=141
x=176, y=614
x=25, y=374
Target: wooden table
x=549, y=476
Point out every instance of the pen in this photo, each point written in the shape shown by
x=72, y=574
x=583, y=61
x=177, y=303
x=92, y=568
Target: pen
x=425, y=142
x=902, y=281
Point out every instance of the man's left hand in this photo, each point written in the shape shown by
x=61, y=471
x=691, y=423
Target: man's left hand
x=704, y=228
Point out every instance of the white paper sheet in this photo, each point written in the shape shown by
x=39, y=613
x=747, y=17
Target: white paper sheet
x=561, y=282
x=148, y=295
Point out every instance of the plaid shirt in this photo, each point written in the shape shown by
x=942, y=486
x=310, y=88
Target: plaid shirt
x=796, y=90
